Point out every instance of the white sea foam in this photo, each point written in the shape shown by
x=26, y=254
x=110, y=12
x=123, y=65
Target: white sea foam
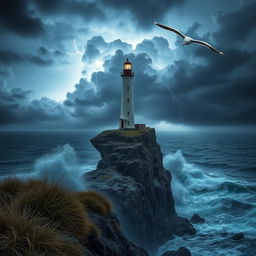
x=60, y=165
x=195, y=191
x=187, y=178
x=225, y=202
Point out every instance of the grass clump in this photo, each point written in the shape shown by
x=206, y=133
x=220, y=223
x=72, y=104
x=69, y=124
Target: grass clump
x=130, y=132
x=117, y=227
x=94, y=202
x=38, y=217
x=10, y=188
x=22, y=235
x=94, y=231
x=57, y=205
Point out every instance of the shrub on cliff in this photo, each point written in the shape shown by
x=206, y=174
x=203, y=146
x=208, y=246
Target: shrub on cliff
x=22, y=235
x=57, y=205
x=10, y=188
x=37, y=217
x=94, y=202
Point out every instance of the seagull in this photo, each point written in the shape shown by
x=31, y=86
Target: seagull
x=188, y=40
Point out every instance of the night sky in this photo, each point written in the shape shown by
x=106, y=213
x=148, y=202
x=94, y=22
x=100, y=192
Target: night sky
x=60, y=63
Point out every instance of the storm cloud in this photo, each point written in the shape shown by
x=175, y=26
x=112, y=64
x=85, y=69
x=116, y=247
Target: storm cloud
x=143, y=12
x=17, y=17
x=15, y=106
x=172, y=83
x=42, y=57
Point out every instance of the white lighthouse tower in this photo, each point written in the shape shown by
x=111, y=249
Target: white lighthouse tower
x=127, y=106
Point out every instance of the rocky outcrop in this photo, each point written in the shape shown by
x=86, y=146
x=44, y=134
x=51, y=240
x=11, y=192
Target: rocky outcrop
x=182, y=251
x=132, y=175
x=111, y=241
x=238, y=236
x=197, y=219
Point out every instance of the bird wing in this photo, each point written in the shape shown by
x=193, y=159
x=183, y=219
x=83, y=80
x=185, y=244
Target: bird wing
x=207, y=45
x=171, y=29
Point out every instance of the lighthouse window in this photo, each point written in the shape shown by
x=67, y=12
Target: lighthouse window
x=128, y=113
x=128, y=88
x=128, y=100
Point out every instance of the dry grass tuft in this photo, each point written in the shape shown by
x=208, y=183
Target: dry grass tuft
x=94, y=231
x=10, y=188
x=22, y=235
x=56, y=204
x=36, y=218
x=130, y=132
x=94, y=202
x=117, y=227
x=33, y=183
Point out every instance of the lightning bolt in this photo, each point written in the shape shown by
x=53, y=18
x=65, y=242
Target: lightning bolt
x=77, y=51
x=178, y=103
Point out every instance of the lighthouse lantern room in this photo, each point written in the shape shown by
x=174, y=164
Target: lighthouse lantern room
x=127, y=105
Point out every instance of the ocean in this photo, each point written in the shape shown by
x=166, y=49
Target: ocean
x=214, y=175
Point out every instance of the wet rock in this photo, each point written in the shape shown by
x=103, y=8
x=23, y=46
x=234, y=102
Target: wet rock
x=197, y=219
x=183, y=226
x=182, y=251
x=238, y=236
x=132, y=175
x=111, y=241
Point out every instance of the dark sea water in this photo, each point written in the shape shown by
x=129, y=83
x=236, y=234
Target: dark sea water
x=214, y=175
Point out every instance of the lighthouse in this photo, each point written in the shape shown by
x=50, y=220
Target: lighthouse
x=127, y=105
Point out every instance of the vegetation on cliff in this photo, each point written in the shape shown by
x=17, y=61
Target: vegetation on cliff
x=40, y=218
x=130, y=132
x=95, y=202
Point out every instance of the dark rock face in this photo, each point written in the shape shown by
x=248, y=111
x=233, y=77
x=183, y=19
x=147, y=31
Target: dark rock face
x=132, y=175
x=197, y=219
x=111, y=241
x=182, y=251
x=238, y=236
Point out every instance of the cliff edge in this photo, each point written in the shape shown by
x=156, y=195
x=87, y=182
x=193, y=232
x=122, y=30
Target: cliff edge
x=132, y=175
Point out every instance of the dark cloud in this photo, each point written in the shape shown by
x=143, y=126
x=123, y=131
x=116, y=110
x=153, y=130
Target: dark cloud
x=43, y=57
x=59, y=32
x=45, y=109
x=90, y=53
x=15, y=108
x=16, y=16
x=147, y=46
x=41, y=61
x=236, y=26
x=142, y=12
x=10, y=99
x=97, y=46
x=84, y=9
x=14, y=95
x=46, y=57
x=43, y=51
x=158, y=49
x=8, y=57
x=5, y=75
x=218, y=90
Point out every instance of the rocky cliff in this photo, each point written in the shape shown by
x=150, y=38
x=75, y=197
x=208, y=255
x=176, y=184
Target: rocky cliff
x=111, y=241
x=132, y=175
